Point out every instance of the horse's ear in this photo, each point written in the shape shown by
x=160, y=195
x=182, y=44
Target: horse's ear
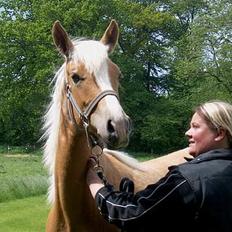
x=110, y=37
x=61, y=39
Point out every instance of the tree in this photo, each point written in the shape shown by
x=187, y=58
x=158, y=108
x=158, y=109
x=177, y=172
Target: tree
x=171, y=53
x=28, y=57
x=203, y=55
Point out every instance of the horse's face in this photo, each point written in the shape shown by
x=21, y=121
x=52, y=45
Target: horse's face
x=89, y=72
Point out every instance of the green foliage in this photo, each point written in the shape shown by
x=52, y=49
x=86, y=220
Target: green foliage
x=203, y=56
x=166, y=133
x=172, y=55
x=24, y=73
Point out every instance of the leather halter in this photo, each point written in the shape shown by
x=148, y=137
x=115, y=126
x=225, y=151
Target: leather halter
x=95, y=146
x=84, y=115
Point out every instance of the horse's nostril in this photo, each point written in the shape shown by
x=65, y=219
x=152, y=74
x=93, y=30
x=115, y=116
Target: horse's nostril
x=110, y=127
x=113, y=138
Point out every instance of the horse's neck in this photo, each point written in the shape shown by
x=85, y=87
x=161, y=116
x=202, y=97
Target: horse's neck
x=144, y=173
x=73, y=201
x=70, y=164
x=72, y=150
x=115, y=170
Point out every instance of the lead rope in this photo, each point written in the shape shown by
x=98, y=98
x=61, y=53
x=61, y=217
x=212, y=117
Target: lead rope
x=96, y=152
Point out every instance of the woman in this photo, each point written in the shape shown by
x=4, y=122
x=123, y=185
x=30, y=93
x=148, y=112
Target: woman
x=194, y=196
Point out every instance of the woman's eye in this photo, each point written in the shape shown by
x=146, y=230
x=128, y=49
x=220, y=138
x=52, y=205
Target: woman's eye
x=76, y=78
x=195, y=126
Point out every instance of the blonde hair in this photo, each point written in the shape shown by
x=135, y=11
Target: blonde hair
x=218, y=114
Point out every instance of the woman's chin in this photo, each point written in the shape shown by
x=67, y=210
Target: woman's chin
x=192, y=151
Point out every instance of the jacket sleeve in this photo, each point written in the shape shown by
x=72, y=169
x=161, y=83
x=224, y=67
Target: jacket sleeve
x=122, y=208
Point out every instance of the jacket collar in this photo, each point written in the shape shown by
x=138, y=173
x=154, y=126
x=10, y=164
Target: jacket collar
x=213, y=154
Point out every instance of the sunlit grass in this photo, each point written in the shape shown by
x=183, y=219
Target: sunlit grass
x=21, y=175
x=23, y=180
x=21, y=187
x=24, y=215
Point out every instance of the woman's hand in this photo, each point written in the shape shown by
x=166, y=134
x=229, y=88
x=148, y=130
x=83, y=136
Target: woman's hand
x=92, y=179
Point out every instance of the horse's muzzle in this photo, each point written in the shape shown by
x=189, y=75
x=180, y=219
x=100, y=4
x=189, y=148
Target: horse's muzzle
x=118, y=132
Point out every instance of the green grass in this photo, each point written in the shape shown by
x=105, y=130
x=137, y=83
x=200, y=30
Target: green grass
x=19, y=150
x=21, y=175
x=12, y=165
x=23, y=187
x=24, y=215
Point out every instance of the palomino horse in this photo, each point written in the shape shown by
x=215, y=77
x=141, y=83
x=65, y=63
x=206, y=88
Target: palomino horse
x=84, y=108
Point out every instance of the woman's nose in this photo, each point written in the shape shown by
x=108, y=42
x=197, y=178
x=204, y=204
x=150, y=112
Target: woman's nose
x=187, y=133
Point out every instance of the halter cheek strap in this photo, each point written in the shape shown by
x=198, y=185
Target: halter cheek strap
x=84, y=115
x=96, y=148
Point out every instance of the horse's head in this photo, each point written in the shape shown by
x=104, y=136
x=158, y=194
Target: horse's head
x=92, y=82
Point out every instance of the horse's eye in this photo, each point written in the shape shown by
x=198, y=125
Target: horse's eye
x=76, y=78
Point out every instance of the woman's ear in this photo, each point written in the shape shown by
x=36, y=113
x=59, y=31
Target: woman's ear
x=221, y=134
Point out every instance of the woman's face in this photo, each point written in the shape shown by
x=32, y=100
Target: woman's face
x=200, y=136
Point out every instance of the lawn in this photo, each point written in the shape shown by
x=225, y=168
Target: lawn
x=23, y=187
x=24, y=215
x=21, y=175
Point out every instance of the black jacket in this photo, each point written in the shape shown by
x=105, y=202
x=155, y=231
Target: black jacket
x=194, y=196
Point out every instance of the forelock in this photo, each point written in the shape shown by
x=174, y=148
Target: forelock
x=92, y=53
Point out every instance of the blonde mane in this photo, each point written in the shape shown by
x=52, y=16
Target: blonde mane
x=52, y=120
